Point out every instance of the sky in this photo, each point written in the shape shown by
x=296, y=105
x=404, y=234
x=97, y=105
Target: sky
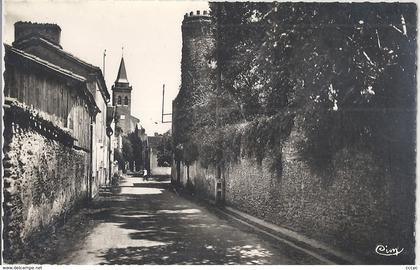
x=149, y=31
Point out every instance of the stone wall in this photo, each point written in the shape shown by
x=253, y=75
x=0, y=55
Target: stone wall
x=155, y=169
x=203, y=180
x=43, y=181
x=355, y=205
x=355, y=202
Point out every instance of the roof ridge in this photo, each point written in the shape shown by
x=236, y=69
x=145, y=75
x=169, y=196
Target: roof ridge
x=57, y=48
x=68, y=53
x=60, y=50
x=57, y=69
x=46, y=63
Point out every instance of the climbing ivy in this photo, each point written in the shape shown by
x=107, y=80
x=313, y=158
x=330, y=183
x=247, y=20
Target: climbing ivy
x=346, y=70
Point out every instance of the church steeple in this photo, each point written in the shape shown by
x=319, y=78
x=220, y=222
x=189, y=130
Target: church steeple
x=121, y=99
x=122, y=73
x=121, y=83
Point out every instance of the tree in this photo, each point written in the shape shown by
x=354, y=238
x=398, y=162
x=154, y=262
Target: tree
x=118, y=156
x=127, y=150
x=137, y=145
x=164, y=151
x=346, y=70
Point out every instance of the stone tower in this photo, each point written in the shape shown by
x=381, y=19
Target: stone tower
x=198, y=44
x=121, y=98
x=197, y=47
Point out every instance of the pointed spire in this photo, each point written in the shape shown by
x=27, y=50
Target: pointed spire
x=122, y=74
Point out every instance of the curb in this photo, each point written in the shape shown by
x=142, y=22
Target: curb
x=311, y=247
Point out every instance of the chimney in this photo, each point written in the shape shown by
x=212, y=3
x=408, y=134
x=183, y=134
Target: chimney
x=48, y=31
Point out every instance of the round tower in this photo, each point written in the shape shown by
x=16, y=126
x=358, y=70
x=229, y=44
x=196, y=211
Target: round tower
x=198, y=45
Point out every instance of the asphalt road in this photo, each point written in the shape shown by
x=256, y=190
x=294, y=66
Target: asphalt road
x=146, y=223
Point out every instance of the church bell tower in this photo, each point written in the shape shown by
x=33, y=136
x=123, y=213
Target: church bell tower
x=121, y=98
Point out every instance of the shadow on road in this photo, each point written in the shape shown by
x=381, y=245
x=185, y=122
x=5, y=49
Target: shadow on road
x=172, y=235
x=162, y=228
x=142, y=222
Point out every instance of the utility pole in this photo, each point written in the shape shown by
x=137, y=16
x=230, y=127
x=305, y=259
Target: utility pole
x=163, y=106
x=103, y=63
x=163, y=100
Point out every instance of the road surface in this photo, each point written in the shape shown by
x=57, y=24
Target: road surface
x=147, y=223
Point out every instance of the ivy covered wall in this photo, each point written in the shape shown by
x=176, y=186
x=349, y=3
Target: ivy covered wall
x=308, y=117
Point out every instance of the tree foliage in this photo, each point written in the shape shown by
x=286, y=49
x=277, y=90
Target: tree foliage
x=132, y=151
x=164, y=151
x=118, y=156
x=346, y=71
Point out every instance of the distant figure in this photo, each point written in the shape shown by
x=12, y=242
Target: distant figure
x=145, y=174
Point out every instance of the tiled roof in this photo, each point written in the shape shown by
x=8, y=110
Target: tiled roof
x=54, y=68
x=58, y=49
x=45, y=63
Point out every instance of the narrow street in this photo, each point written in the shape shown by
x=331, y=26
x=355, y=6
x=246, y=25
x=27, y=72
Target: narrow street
x=147, y=223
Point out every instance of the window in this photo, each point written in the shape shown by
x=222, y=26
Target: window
x=126, y=101
x=119, y=100
x=122, y=117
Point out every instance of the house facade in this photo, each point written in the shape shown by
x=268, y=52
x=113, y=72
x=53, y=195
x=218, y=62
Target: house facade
x=55, y=134
x=43, y=41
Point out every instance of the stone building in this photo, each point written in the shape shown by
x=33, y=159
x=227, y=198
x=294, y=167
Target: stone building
x=113, y=140
x=198, y=44
x=43, y=41
x=121, y=99
x=56, y=144
x=125, y=122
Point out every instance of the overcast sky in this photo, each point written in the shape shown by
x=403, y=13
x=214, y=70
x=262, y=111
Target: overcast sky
x=150, y=32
